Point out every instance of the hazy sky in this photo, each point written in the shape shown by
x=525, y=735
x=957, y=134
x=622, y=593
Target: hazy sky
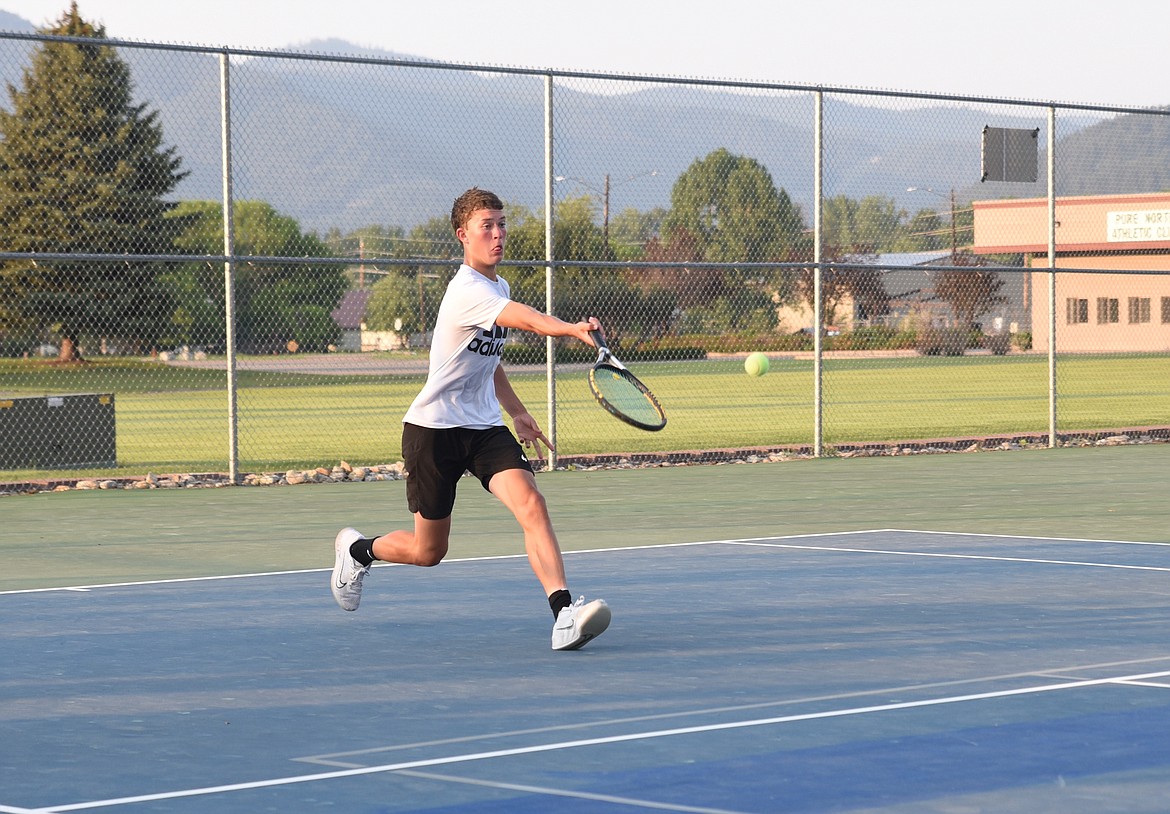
x=1049, y=50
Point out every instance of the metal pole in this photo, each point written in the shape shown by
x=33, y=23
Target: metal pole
x=229, y=267
x=605, y=213
x=1051, y=277
x=818, y=242
x=550, y=349
x=954, y=236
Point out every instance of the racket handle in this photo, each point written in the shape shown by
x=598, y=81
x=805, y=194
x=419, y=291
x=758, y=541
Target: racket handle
x=598, y=340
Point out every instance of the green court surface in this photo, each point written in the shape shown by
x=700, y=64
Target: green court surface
x=89, y=538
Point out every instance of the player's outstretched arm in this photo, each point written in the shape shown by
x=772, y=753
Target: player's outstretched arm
x=525, y=318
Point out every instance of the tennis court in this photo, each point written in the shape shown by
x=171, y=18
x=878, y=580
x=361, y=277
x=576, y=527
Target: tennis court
x=829, y=664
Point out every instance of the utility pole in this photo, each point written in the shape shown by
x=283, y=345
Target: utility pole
x=605, y=212
x=362, y=262
x=604, y=195
x=954, y=239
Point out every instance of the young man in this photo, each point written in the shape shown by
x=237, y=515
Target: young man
x=455, y=425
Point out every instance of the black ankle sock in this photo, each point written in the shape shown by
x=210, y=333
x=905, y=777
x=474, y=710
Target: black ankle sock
x=559, y=599
x=362, y=550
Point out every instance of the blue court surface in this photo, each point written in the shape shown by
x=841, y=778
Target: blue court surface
x=878, y=671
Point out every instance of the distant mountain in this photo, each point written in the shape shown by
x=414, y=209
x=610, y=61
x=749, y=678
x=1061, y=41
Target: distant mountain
x=345, y=143
x=12, y=22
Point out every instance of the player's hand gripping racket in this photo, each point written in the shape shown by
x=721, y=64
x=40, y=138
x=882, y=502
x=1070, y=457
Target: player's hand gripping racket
x=619, y=391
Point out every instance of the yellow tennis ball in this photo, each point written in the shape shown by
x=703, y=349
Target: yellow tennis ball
x=756, y=364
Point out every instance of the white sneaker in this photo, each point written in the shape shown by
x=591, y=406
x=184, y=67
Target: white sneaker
x=579, y=623
x=348, y=573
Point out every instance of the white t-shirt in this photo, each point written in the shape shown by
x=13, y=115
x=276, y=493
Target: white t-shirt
x=465, y=352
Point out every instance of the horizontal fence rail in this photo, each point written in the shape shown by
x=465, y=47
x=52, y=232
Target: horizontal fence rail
x=239, y=255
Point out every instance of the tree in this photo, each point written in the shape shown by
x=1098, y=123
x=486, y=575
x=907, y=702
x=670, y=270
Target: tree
x=404, y=298
x=83, y=170
x=691, y=287
x=579, y=291
x=934, y=230
x=394, y=304
x=927, y=231
x=575, y=237
x=631, y=230
x=726, y=209
x=276, y=303
x=855, y=232
x=970, y=293
x=869, y=226
x=434, y=240
x=862, y=286
x=365, y=243
x=730, y=204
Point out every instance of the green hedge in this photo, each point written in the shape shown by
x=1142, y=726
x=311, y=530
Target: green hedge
x=928, y=342
x=576, y=353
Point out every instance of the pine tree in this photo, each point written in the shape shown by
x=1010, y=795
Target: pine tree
x=83, y=170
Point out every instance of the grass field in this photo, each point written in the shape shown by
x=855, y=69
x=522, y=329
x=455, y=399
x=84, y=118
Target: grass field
x=175, y=419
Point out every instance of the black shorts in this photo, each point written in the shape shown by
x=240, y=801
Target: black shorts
x=435, y=460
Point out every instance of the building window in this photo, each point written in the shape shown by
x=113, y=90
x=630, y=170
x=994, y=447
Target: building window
x=1139, y=309
x=1078, y=310
x=1165, y=310
x=1108, y=310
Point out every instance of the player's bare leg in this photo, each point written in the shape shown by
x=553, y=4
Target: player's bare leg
x=576, y=622
x=516, y=489
x=426, y=545
x=354, y=554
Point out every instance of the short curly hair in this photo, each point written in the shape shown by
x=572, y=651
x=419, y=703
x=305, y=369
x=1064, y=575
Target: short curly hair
x=471, y=201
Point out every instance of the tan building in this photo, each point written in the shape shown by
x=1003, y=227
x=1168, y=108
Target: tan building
x=1124, y=312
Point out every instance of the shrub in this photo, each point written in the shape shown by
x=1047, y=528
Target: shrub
x=661, y=350
x=873, y=337
x=658, y=350
x=999, y=344
x=773, y=342
x=312, y=327
x=944, y=341
x=525, y=354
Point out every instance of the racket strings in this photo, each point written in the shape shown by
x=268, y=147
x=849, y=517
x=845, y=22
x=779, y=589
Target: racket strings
x=623, y=394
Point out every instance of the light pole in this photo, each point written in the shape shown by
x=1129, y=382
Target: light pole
x=954, y=237
x=604, y=194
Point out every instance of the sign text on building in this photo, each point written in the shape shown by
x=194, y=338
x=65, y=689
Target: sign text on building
x=1141, y=225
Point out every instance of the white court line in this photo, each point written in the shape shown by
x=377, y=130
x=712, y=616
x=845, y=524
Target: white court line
x=1156, y=684
x=15, y=810
x=956, y=556
x=146, y=582
x=448, y=561
x=694, y=543
x=576, y=795
x=603, y=741
x=326, y=569
x=1024, y=537
x=1066, y=673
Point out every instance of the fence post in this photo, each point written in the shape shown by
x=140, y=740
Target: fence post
x=229, y=266
x=550, y=349
x=818, y=241
x=1051, y=277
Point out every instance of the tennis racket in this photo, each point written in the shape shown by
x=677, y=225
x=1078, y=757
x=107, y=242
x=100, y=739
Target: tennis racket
x=619, y=391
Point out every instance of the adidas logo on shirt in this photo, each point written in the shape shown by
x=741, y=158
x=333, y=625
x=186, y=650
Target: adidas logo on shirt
x=489, y=343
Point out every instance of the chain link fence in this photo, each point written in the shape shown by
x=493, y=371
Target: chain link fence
x=240, y=253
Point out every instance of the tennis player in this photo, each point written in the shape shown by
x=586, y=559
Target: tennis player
x=455, y=425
